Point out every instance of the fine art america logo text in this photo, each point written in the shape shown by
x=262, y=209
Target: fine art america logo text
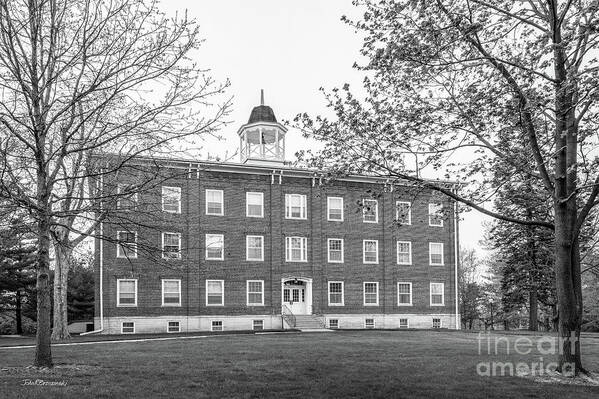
x=501, y=345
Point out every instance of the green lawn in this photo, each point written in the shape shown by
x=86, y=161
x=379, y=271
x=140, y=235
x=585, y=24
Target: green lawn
x=359, y=364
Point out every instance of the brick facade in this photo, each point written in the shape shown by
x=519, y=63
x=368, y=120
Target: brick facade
x=235, y=180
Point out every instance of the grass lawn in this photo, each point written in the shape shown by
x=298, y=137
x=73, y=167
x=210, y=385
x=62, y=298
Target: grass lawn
x=359, y=364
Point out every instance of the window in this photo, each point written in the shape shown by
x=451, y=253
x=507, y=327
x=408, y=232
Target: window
x=126, y=292
x=436, y=322
x=214, y=202
x=371, y=294
x=171, y=199
x=171, y=245
x=437, y=294
x=403, y=323
x=369, y=323
x=254, y=248
x=257, y=325
x=255, y=293
x=215, y=292
x=403, y=212
x=404, y=294
x=127, y=327
x=335, y=250
x=435, y=215
x=435, y=250
x=127, y=244
x=254, y=205
x=404, y=253
x=171, y=292
x=215, y=244
x=371, y=251
x=335, y=209
x=173, y=327
x=370, y=211
x=334, y=323
x=295, y=206
x=127, y=199
x=335, y=293
x=296, y=249
x=217, y=325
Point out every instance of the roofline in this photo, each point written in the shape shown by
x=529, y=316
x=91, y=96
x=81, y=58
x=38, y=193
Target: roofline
x=288, y=171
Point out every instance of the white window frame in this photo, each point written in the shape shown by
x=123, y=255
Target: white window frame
x=179, y=243
x=442, y=294
x=329, y=323
x=373, y=323
x=178, y=191
x=168, y=326
x=398, y=293
x=364, y=252
x=247, y=290
x=165, y=280
x=342, y=293
x=288, y=249
x=397, y=203
x=118, y=293
x=407, y=322
x=222, y=296
x=376, y=213
x=247, y=248
x=303, y=206
x=430, y=254
x=329, y=209
x=119, y=247
x=440, y=322
x=222, y=202
x=247, y=204
x=364, y=293
x=134, y=197
x=222, y=254
x=222, y=325
x=329, y=250
x=122, y=327
x=433, y=212
x=254, y=327
x=409, y=253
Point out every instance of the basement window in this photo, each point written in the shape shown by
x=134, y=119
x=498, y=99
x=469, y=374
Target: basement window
x=128, y=327
x=369, y=323
x=217, y=325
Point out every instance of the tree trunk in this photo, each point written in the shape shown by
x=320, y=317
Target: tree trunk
x=43, y=350
x=18, y=313
x=533, y=313
x=60, y=330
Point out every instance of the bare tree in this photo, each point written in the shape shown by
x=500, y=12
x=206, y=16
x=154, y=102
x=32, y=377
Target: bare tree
x=83, y=81
x=447, y=79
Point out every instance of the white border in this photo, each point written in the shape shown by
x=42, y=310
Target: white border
x=288, y=249
x=222, y=254
x=431, y=294
x=123, y=322
x=409, y=223
x=411, y=293
x=118, y=245
x=397, y=252
x=303, y=205
x=376, y=214
x=432, y=212
x=430, y=254
x=247, y=248
x=364, y=252
x=178, y=253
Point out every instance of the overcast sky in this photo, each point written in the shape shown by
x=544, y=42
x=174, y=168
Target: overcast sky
x=288, y=48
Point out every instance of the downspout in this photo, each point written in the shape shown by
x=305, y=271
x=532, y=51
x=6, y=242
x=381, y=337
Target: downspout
x=101, y=267
x=456, y=261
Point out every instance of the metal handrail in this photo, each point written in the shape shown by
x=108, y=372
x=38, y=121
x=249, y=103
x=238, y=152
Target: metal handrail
x=288, y=316
x=321, y=319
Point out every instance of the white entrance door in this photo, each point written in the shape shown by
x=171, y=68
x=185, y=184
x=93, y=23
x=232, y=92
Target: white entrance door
x=294, y=297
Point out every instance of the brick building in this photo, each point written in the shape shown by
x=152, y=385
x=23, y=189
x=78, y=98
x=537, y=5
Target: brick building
x=262, y=245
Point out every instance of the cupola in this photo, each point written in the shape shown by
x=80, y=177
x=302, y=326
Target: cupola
x=262, y=139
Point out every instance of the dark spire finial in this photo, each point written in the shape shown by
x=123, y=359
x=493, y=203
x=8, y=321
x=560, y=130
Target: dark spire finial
x=261, y=96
